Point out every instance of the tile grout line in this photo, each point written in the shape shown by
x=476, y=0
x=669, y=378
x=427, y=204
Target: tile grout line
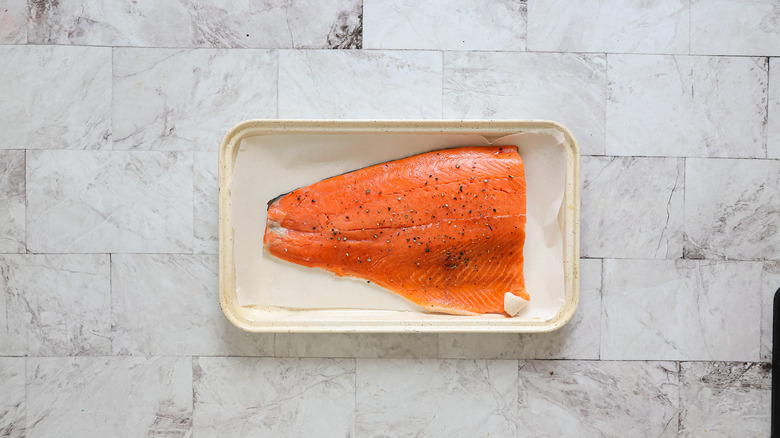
x=768, y=96
x=429, y=49
x=601, y=310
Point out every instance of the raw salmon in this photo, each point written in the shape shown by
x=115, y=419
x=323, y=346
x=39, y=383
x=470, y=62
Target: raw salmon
x=444, y=229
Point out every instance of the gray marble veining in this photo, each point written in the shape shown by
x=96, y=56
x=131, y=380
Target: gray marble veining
x=238, y=397
x=578, y=339
x=168, y=99
x=681, y=310
x=13, y=22
x=436, y=398
x=188, y=23
x=444, y=24
x=76, y=116
x=12, y=200
x=769, y=286
x=609, y=26
x=773, y=126
x=360, y=84
x=109, y=396
x=732, y=209
x=598, y=399
x=735, y=27
x=484, y=85
x=686, y=106
x=722, y=399
x=205, y=226
x=12, y=397
x=55, y=304
x=84, y=201
x=368, y=345
x=169, y=304
x=632, y=207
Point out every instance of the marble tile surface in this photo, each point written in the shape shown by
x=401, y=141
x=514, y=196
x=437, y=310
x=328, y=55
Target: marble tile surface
x=578, y=339
x=608, y=26
x=205, y=225
x=109, y=396
x=12, y=401
x=44, y=314
x=85, y=201
x=169, y=304
x=12, y=199
x=598, y=399
x=686, y=106
x=360, y=84
x=436, y=398
x=681, y=310
x=77, y=116
x=483, y=85
x=13, y=22
x=769, y=286
x=721, y=399
x=773, y=128
x=238, y=397
x=367, y=345
x=735, y=27
x=169, y=99
x=147, y=23
x=444, y=25
x=632, y=207
x=732, y=209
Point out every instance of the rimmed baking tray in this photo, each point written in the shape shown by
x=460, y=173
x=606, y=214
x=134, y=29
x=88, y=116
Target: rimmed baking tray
x=277, y=319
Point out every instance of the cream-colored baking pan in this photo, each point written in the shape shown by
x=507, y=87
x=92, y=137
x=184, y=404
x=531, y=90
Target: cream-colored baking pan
x=258, y=317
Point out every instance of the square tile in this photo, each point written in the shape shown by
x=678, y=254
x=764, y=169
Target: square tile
x=12, y=200
x=359, y=84
x=12, y=403
x=56, y=305
x=632, y=207
x=681, y=310
x=168, y=99
x=597, y=399
x=732, y=209
x=578, y=339
x=720, y=399
x=83, y=201
x=436, y=397
x=169, y=304
x=444, y=24
x=608, y=26
x=13, y=22
x=685, y=106
x=77, y=116
x=147, y=23
x=735, y=27
x=109, y=396
x=566, y=88
x=288, y=397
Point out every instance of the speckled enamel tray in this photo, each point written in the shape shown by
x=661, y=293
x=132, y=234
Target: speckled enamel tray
x=257, y=319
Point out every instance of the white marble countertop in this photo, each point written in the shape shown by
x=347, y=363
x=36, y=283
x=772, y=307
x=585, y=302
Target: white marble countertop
x=110, y=117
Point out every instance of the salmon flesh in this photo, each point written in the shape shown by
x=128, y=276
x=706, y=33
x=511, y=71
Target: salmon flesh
x=444, y=229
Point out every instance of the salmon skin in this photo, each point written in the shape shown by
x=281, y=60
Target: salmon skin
x=444, y=229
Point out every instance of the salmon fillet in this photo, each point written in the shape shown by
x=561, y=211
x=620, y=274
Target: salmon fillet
x=443, y=229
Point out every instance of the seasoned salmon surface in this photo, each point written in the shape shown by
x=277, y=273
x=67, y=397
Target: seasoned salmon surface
x=444, y=229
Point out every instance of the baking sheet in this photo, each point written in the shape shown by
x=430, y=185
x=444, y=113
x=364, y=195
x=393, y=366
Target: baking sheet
x=269, y=165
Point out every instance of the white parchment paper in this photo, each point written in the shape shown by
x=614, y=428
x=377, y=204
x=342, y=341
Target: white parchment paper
x=267, y=166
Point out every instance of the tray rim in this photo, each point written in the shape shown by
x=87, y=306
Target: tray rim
x=247, y=318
